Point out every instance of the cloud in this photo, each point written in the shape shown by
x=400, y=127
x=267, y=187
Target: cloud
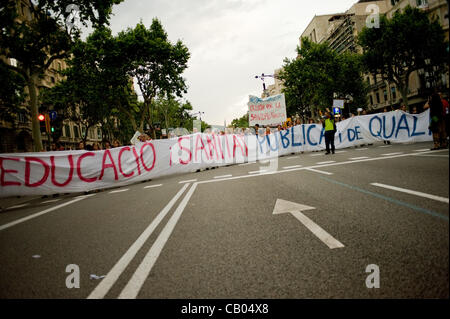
x=230, y=42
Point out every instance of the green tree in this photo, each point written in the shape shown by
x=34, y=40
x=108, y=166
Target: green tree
x=42, y=36
x=402, y=45
x=240, y=122
x=317, y=74
x=155, y=63
x=12, y=93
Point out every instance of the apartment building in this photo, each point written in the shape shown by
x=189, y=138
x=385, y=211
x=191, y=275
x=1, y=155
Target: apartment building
x=385, y=95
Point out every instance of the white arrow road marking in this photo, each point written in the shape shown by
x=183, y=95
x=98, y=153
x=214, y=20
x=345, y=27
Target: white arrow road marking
x=408, y=191
x=105, y=285
x=283, y=206
x=133, y=287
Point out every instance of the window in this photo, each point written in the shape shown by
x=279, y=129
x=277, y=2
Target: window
x=368, y=80
x=371, y=99
x=378, y=98
x=99, y=133
x=422, y=3
x=59, y=66
x=76, y=131
x=67, y=131
x=385, y=95
x=52, y=79
x=22, y=118
x=394, y=93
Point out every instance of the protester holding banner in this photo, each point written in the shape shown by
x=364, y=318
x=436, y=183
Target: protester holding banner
x=330, y=129
x=437, y=125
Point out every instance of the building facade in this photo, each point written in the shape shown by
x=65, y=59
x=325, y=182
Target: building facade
x=16, y=134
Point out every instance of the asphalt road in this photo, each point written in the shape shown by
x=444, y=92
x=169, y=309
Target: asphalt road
x=214, y=234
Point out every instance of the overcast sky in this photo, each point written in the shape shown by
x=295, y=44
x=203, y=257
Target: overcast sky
x=230, y=42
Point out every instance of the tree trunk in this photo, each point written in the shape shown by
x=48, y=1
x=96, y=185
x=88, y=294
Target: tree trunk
x=404, y=92
x=35, y=126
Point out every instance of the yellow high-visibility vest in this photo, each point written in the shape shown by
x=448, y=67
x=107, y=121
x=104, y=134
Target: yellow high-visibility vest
x=329, y=125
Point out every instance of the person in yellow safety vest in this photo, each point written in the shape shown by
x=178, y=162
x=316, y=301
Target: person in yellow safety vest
x=330, y=130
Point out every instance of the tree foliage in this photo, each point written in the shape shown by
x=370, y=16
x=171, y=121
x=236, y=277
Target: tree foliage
x=40, y=35
x=317, y=75
x=402, y=45
x=155, y=63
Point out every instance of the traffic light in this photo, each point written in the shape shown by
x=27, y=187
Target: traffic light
x=41, y=119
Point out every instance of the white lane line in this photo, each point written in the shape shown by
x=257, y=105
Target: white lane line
x=152, y=186
x=362, y=149
x=51, y=201
x=339, y=152
x=327, y=162
x=249, y=163
x=188, y=181
x=293, y=166
x=325, y=237
x=430, y=155
x=382, y=158
x=408, y=191
x=21, y=220
x=292, y=157
x=223, y=176
x=358, y=158
x=119, y=191
x=317, y=171
x=133, y=286
x=18, y=206
x=391, y=154
x=383, y=146
x=422, y=150
x=258, y=172
x=320, y=154
x=105, y=285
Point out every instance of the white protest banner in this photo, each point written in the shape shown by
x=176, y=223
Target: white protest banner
x=47, y=173
x=268, y=111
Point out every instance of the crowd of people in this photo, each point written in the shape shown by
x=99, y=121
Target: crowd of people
x=439, y=125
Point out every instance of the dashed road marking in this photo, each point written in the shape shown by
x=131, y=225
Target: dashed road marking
x=358, y=158
x=21, y=220
x=259, y=172
x=152, y=186
x=223, y=176
x=51, y=201
x=408, y=191
x=390, y=154
x=119, y=191
x=18, y=206
x=317, y=171
x=327, y=162
x=293, y=166
x=188, y=181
